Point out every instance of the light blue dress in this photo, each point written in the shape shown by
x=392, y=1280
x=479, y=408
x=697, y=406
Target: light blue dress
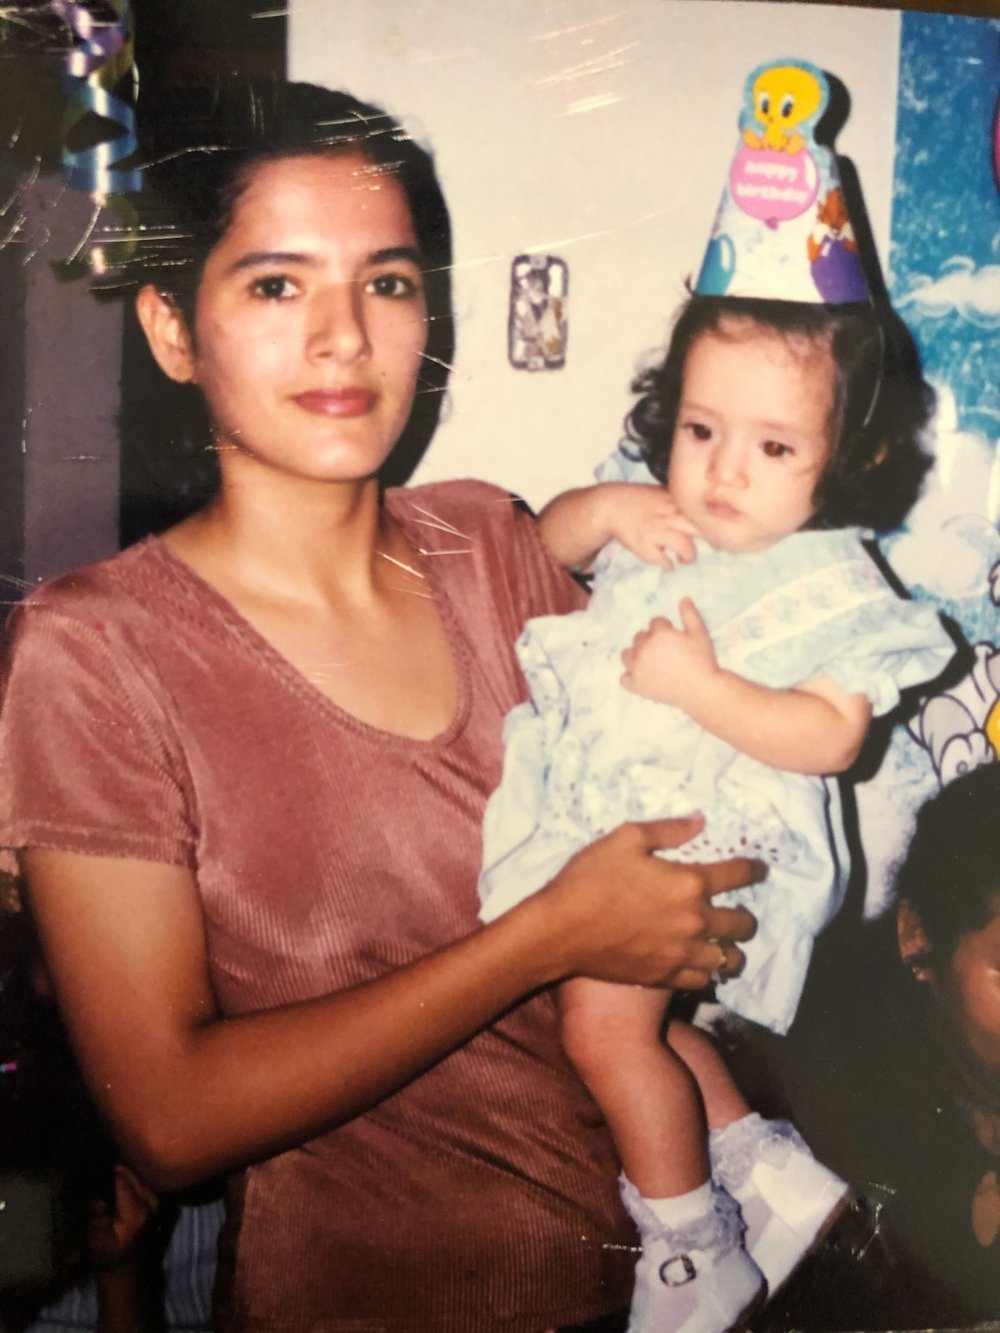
x=584, y=755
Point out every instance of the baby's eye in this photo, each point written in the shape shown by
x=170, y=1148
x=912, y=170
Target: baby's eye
x=698, y=430
x=396, y=286
x=775, y=449
x=273, y=287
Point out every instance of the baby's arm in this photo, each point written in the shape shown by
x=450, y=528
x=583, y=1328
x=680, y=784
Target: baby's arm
x=576, y=524
x=814, y=727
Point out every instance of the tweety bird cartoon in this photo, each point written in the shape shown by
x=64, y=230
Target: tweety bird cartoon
x=784, y=96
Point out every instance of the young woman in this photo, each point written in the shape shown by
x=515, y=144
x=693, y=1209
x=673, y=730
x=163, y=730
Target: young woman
x=245, y=766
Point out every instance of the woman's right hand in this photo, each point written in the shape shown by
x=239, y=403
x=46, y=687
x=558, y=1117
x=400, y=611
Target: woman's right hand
x=624, y=914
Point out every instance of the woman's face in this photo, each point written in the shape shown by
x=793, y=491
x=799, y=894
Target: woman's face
x=968, y=990
x=310, y=320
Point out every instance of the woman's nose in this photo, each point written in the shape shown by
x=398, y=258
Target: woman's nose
x=337, y=323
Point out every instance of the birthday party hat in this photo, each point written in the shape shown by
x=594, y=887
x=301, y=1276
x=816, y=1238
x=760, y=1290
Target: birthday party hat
x=782, y=231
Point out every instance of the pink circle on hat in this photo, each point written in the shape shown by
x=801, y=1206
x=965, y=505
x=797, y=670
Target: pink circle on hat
x=773, y=186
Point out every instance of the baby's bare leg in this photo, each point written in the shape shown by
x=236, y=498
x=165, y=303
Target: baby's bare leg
x=693, y=1275
x=723, y=1101
x=787, y=1197
x=649, y=1096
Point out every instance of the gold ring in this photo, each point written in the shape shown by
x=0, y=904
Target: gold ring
x=721, y=972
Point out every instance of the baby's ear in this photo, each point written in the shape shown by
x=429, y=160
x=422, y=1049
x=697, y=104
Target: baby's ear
x=914, y=947
x=167, y=333
x=881, y=454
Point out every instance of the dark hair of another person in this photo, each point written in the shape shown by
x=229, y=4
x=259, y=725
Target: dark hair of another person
x=199, y=149
x=881, y=402
x=951, y=872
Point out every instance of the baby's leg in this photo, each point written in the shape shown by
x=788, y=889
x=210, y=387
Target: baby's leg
x=723, y=1101
x=694, y=1275
x=788, y=1199
x=649, y=1096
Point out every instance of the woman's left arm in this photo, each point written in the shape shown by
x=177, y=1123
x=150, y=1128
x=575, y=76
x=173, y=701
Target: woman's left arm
x=814, y=727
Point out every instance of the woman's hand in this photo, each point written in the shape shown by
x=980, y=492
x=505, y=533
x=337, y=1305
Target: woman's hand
x=635, y=917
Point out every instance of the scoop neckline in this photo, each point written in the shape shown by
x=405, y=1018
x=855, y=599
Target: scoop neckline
x=209, y=598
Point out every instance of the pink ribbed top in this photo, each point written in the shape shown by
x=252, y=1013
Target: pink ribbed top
x=143, y=716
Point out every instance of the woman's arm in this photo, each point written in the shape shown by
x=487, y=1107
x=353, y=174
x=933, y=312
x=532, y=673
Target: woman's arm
x=576, y=524
x=813, y=728
x=190, y=1093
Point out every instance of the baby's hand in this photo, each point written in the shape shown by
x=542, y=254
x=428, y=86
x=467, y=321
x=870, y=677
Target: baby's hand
x=646, y=521
x=666, y=662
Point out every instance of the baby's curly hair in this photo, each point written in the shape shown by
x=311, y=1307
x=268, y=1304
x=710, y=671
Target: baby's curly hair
x=881, y=402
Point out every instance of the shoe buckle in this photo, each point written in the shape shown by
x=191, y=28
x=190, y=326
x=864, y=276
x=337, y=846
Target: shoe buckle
x=677, y=1271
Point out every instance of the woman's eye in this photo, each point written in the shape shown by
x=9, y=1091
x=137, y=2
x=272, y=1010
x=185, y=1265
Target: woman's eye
x=775, y=449
x=273, y=287
x=394, y=285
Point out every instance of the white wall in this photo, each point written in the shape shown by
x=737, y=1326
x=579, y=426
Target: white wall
x=598, y=130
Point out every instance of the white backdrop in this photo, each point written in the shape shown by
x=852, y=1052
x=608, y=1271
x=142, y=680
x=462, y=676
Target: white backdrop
x=597, y=130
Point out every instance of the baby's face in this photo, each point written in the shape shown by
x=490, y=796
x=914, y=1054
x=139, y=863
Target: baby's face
x=752, y=434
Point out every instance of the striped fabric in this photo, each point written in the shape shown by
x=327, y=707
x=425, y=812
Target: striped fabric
x=189, y=1271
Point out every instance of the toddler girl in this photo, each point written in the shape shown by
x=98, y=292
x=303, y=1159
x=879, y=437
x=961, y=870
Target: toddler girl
x=737, y=643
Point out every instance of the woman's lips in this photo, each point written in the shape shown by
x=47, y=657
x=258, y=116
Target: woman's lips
x=337, y=402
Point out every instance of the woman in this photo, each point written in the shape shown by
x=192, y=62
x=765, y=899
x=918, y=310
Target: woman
x=909, y=1109
x=245, y=766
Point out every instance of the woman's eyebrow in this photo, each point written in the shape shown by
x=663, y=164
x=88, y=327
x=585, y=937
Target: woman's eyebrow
x=389, y=255
x=408, y=253
x=257, y=257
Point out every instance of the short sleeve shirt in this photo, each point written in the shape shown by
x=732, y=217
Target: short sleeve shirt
x=144, y=717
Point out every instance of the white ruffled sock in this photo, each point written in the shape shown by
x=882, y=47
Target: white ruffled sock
x=788, y=1199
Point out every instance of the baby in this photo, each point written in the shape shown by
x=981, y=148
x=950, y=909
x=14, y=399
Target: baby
x=738, y=641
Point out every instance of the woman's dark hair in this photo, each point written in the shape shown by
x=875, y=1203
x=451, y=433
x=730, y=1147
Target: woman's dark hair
x=881, y=402
x=951, y=872
x=199, y=149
